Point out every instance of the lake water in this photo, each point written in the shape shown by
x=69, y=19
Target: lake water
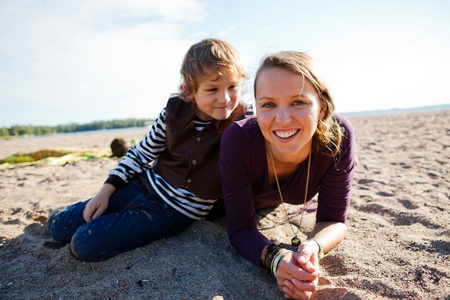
x=398, y=110
x=351, y=114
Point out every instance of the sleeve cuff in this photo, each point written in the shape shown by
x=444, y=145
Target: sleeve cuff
x=115, y=181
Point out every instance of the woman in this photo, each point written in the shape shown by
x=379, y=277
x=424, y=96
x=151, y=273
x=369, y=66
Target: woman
x=293, y=149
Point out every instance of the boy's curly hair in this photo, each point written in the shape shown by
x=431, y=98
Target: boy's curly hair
x=207, y=58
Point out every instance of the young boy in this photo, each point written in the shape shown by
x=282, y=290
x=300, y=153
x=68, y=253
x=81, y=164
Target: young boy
x=171, y=178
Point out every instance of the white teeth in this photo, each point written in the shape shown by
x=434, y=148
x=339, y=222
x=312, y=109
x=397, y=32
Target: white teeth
x=285, y=134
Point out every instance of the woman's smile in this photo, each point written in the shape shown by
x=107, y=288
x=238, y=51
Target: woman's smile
x=285, y=134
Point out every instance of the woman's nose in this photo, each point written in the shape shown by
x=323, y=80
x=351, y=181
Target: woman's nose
x=283, y=115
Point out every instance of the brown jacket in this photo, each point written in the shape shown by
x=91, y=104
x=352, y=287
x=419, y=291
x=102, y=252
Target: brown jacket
x=191, y=158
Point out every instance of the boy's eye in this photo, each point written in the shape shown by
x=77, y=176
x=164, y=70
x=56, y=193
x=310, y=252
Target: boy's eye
x=232, y=87
x=211, y=90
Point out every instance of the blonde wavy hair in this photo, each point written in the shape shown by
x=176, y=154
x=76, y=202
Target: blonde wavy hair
x=328, y=135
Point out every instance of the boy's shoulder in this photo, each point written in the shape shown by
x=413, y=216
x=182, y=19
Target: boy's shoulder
x=174, y=95
x=175, y=103
x=178, y=113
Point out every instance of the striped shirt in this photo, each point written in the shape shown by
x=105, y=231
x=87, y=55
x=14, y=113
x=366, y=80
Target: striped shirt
x=141, y=157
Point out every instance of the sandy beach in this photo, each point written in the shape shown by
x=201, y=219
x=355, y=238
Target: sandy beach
x=397, y=245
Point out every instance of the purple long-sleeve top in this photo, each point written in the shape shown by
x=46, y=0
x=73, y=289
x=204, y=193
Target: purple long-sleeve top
x=246, y=187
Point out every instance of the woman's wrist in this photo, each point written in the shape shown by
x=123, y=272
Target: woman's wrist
x=277, y=260
x=270, y=258
x=320, y=253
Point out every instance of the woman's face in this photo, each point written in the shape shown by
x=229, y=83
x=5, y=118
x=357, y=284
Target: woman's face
x=288, y=109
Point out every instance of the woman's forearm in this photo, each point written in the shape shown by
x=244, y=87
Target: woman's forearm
x=328, y=234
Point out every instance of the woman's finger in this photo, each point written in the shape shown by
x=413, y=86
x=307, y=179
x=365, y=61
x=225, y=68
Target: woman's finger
x=292, y=291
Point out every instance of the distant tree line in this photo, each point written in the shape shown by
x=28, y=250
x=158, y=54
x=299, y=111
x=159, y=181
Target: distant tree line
x=72, y=127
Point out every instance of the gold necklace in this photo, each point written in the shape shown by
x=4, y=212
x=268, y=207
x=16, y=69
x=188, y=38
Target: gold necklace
x=295, y=240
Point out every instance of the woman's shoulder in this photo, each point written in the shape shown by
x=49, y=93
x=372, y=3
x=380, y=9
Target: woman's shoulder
x=242, y=132
x=348, y=136
x=343, y=121
x=346, y=125
x=244, y=126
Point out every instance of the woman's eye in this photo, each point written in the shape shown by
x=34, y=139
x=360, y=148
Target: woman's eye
x=299, y=103
x=268, y=105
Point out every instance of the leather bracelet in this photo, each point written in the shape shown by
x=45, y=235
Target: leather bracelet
x=320, y=255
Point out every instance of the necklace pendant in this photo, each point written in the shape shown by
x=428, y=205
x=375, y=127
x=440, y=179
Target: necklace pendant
x=295, y=241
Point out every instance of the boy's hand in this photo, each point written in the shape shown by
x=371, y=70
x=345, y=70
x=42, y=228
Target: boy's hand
x=97, y=205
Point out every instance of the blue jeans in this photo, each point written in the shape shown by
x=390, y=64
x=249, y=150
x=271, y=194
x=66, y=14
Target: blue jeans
x=134, y=218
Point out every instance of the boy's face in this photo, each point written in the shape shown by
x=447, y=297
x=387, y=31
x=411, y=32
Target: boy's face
x=217, y=97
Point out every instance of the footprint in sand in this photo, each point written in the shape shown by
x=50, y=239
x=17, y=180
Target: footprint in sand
x=336, y=293
x=408, y=204
x=334, y=265
x=385, y=194
x=433, y=176
x=13, y=222
x=407, y=219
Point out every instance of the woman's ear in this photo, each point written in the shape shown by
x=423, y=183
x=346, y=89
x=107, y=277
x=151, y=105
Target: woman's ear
x=323, y=108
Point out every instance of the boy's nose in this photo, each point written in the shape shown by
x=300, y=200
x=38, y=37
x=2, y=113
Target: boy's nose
x=224, y=98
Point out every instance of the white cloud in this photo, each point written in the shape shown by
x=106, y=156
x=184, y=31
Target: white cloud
x=168, y=10
x=90, y=55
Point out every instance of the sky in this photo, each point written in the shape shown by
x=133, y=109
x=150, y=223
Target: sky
x=80, y=61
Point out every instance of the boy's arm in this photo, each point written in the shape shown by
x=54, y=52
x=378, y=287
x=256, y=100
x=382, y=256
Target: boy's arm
x=139, y=157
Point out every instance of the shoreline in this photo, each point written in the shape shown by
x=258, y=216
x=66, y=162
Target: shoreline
x=434, y=108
